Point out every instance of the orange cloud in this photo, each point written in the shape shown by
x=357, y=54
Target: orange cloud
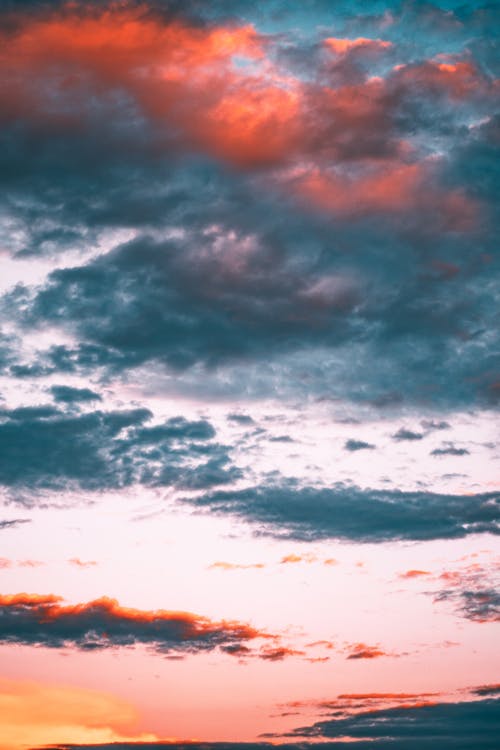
x=103, y=623
x=362, y=651
x=414, y=574
x=234, y=566
x=35, y=714
x=384, y=696
x=279, y=653
x=177, y=74
x=308, y=558
x=82, y=563
x=343, y=46
x=389, y=186
x=190, y=86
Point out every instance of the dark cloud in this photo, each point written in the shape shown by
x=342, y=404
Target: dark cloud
x=68, y=395
x=239, y=260
x=36, y=620
x=357, y=445
x=404, y=434
x=182, y=304
x=243, y=419
x=432, y=424
x=162, y=301
x=450, y=450
x=287, y=510
x=487, y=690
x=46, y=448
x=13, y=523
x=460, y=726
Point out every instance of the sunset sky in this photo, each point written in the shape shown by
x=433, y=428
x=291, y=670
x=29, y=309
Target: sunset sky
x=249, y=374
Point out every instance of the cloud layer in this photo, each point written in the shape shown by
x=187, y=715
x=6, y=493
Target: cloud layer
x=316, y=198
x=287, y=510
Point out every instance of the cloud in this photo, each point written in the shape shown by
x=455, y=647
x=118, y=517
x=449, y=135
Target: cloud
x=448, y=725
x=414, y=574
x=292, y=558
x=279, y=653
x=221, y=565
x=362, y=651
x=232, y=158
x=6, y=563
x=481, y=604
x=432, y=424
x=287, y=510
x=487, y=690
x=473, y=589
x=242, y=419
x=48, y=448
x=345, y=46
x=450, y=450
x=13, y=523
x=67, y=395
x=82, y=563
x=357, y=445
x=457, y=726
x=38, y=620
x=408, y=435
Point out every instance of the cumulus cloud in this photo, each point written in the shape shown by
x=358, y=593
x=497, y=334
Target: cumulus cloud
x=213, y=277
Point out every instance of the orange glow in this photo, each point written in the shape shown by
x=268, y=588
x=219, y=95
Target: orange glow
x=34, y=714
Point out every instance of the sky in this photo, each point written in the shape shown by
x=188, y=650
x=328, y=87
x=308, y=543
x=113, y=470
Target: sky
x=249, y=374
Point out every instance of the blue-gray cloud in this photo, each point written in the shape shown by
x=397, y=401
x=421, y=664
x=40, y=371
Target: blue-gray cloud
x=357, y=445
x=288, y=511
x=45, y=448
x=460, y=726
